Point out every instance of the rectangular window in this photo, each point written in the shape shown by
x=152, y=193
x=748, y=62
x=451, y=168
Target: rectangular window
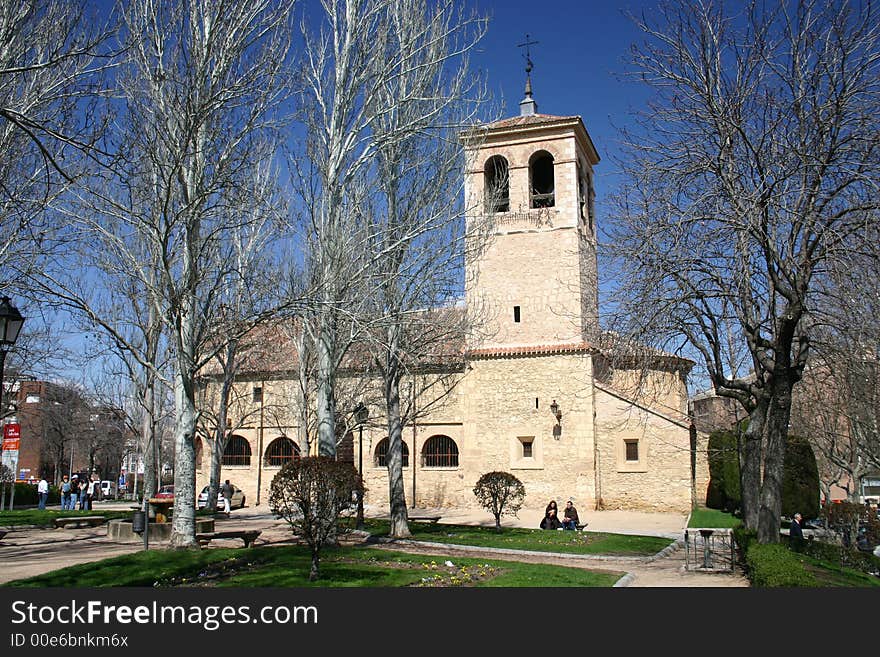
x=632, y=450
x=258, y=394
x=527, y=449
x=516, y=314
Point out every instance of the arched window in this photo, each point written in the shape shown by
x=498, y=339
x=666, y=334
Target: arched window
x=440, y=452
x=382, y=451
x=497, y=184
x=281, y=451
x=541, y=180
x=237, y=452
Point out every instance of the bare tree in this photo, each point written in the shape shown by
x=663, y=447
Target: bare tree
x=426, y=96
x=341, y=73
x=51, y=61
x=756, y=164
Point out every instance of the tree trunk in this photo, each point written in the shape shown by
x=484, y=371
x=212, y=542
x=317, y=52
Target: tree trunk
x=326, y=402
x=776, y=433
x=183, y=528
x=394, y=455
x=750, y=464
x=313, y=571
x=498, y=522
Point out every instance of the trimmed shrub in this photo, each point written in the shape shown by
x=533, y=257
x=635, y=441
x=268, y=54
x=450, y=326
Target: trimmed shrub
x=800, y=479
x=773, y=565
x=500, y=493
x=724, y=490
x=26, y=495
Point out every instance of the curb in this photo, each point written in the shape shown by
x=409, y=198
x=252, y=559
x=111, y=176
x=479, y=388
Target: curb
x=665, y=552
x=624, y=581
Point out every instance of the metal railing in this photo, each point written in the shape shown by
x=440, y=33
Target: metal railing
x=709, y=550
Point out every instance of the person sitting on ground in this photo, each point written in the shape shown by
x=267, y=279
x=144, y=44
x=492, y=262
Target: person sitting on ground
x=551, y=505
x=570, y=519
x=550, y=520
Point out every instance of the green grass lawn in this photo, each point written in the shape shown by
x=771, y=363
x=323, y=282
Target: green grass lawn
x=712, y=518
x=288, y=566
x=24, y=517
x=515, y=538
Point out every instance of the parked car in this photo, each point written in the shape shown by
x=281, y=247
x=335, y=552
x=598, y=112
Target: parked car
x=108, y=490
x=165, y=492
x=237, y=501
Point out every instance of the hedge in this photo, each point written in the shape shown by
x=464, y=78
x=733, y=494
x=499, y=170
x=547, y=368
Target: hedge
x=26, y=495
x=774, y=565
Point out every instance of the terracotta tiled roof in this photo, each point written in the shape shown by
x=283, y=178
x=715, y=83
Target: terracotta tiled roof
x=531, y=350
x=534, y=119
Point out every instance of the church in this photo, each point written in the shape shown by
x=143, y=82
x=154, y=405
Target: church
x=543, y=392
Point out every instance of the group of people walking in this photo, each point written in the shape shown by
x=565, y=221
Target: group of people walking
x=551, y=519
x=76, y=489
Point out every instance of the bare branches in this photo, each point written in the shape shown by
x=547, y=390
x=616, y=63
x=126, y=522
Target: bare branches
x=751, y=175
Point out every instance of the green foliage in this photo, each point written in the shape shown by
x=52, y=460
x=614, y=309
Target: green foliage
x=724, y=489
x=800, y=480
x=500, y=493
x=26, y=495
x=774, y=565
x=864, y=562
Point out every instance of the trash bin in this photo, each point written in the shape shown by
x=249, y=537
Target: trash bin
x=137, y=522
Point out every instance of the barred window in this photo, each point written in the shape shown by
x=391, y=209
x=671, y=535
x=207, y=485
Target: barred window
x=440, y=452
x=281, y=451
x=382, y=452
x=237, y=452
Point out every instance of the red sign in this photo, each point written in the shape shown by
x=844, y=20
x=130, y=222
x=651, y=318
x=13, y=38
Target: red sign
x=11, y=436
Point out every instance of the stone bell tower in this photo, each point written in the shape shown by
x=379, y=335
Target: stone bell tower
x=530, y=179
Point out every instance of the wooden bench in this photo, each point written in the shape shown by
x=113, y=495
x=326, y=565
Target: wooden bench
x=246, y=535
x=75, y=522
x=3, y=533
x=431, y=519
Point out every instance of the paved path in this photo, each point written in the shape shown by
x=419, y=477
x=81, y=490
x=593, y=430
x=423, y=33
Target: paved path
x=29, y=552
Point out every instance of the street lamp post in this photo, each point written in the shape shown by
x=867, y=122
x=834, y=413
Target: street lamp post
x=361, y=414
x=10, y=325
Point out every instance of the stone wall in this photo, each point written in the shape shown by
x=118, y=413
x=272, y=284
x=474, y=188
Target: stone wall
x=660, y=478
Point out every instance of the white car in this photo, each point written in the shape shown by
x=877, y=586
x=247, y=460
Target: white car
x=237, y=501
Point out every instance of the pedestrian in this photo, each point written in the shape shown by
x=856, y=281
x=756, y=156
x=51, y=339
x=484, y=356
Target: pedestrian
x=550, y=520
x=226, y=490
x=43, y=492
x=83, y=495
x=795, y=533
x=66, y=494
x=94, y=492
x=570, y=517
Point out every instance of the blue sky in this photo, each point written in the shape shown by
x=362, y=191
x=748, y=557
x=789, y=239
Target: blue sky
x=578, y=62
